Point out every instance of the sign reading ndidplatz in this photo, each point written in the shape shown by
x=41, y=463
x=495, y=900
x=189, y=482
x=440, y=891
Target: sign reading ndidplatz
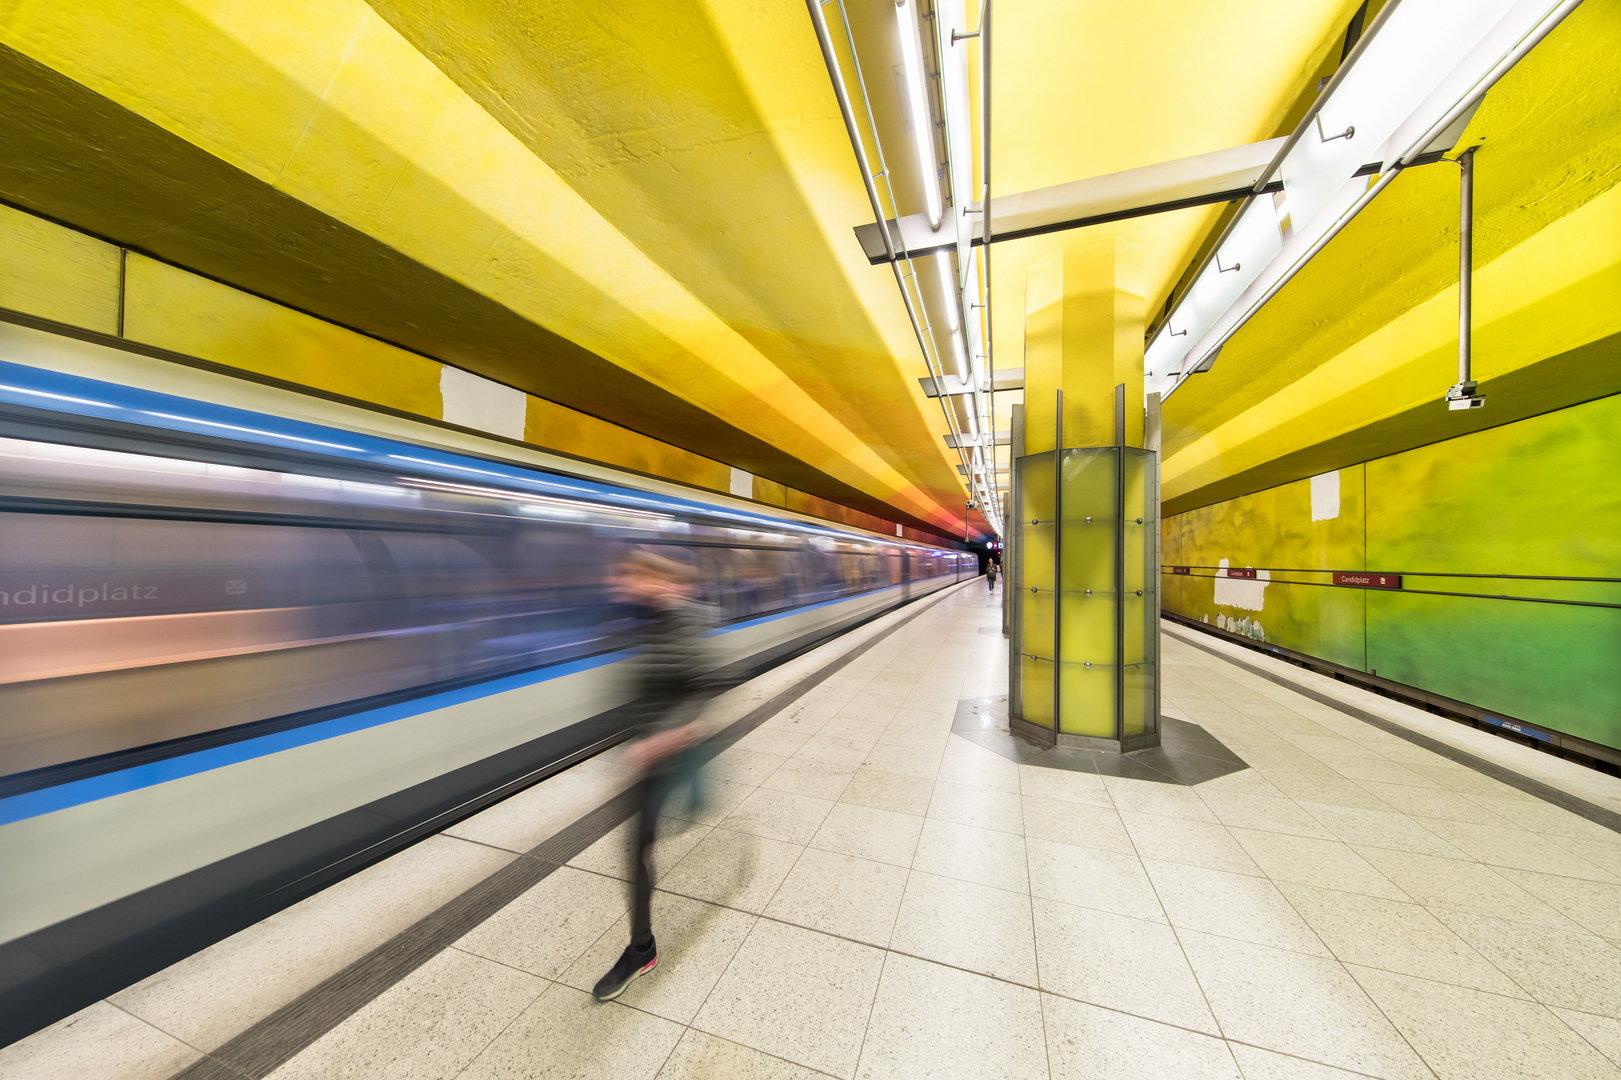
x=1368, y=581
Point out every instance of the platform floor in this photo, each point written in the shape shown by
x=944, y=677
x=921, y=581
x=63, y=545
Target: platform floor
x=869, y=894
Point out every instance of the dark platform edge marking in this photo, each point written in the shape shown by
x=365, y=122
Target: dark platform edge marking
x=1577, y=805
x=268, y=1044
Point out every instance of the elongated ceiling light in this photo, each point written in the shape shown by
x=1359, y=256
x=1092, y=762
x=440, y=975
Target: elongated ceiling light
x=917, y=99
x=1407, y=89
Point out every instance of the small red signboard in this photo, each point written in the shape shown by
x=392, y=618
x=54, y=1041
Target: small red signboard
x=1368, y=581
x=1181, y=569
x=1241, y=572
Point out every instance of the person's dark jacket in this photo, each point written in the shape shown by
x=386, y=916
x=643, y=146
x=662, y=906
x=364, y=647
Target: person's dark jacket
x=674, y=667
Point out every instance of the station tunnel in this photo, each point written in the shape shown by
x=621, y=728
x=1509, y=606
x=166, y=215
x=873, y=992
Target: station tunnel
x=1073, y=540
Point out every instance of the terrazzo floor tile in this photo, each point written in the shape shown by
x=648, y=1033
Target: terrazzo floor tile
x=549, y=926
x=100, y=1040
x=204, y=1000
x=1603, y=1033
x=813, y=778
x=1162, y=800
x=841, y=895
x=732, y=869
x=1062, y=785
x=934, y=1022
x=1461, y=885
x=969, y=926
x=1085, y=1042
x=1327, y=864
x=566, y=1034
x=1465, y=1034
x=1258, y=1064
x=1516, y=849
x=985, y=856
x=798, y=995
x=696, y=942
x=921, y=762
x=1594, y=905
x=868, y=833
x=779, y=815
x=1402, y=937
x=612, y=855
x=1232, y=905
x=1380, y=828
x=1080, y=824
x=1265, y=813
x=699, y=1056
x=1300, y=1005
x=1199, y=843
x=986, y=808
x=889, y=791
x=432, y=1023
x=1129, y=965
x=1572, y=970
x=1087, y=877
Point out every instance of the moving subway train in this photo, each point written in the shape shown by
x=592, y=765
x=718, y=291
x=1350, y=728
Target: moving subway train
x=243, y=654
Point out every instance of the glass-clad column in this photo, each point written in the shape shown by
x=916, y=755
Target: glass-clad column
x=1086, y=651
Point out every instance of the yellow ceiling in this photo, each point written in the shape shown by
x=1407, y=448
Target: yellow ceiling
x=667, y=189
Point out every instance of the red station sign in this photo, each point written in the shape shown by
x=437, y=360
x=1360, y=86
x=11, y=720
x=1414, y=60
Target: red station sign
x=1241, y=572
x=1181, y=569
x=1368, y=581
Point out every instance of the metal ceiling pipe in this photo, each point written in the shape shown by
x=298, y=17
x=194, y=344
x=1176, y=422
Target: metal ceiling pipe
x=847, y=110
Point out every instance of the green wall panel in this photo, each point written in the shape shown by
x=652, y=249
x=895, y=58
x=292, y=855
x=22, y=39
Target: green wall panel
x=1476, y=517
x=1541, y=497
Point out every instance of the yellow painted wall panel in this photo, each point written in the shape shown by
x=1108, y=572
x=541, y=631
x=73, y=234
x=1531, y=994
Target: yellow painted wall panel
x=172, y=309
x=770, y=492
x=56, y=273
x=558, y=427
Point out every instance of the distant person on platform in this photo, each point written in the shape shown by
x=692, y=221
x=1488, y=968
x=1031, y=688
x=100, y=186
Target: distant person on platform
x=675, y=678
x=992, y=566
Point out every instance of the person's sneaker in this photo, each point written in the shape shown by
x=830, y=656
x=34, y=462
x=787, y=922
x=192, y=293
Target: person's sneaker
x=633, y=962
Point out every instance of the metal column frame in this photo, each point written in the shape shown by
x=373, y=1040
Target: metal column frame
x=1120, y=562
x=1058, y=563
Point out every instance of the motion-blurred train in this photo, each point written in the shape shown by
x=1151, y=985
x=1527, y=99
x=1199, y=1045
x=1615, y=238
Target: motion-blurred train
x=242, y=654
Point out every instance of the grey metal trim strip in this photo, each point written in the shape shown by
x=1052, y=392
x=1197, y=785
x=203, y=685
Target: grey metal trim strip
x=270, y=1043
x=1598, y=815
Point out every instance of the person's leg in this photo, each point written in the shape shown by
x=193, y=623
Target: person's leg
x=654, y=789
x=641, y=955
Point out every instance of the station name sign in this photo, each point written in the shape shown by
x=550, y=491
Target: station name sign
x=1241, y=572
x=1181, y=569
x=1368, y=581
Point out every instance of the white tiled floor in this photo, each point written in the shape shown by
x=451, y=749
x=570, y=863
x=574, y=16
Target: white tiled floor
x=871, y=896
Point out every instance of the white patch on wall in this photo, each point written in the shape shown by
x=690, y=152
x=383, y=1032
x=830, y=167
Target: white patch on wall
x=1246, y=593
x=742, y=484
x=898, y=531
x=476, y=402
x=1325, y=496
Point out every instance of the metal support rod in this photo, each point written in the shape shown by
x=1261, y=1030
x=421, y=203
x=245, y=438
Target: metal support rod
x=1465, y=395
x=1466, y=259
x=1058, y=560
x=1120, y=561
x=985, y=216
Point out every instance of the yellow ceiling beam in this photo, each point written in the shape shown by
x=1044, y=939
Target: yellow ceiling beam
x=328, y=103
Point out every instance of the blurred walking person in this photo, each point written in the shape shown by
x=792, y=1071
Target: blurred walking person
x=675, y=679
x=992, y=565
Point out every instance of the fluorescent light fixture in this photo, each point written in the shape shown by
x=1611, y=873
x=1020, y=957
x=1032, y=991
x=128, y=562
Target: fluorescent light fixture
x=1408, y=88
x=917, y=99
x=948, y=278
